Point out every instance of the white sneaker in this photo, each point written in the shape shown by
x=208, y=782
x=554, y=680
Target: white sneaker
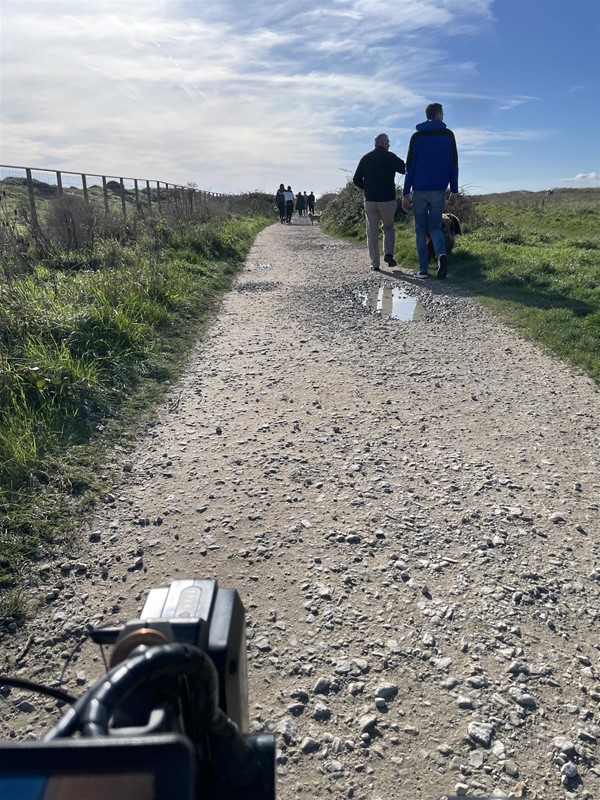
x=422, y=275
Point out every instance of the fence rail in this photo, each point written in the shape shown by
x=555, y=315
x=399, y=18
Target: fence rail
x=141, y=190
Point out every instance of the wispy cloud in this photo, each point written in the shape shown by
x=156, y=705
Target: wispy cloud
x=479, y=141
x=487, y=153
x=587, y=180
x=515, y=102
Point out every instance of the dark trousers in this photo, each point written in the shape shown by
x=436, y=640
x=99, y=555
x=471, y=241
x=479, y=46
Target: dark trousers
x=289, y=210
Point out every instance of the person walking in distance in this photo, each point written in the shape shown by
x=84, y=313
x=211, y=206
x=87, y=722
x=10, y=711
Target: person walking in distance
x=431, y=164
x=280, y=203
x=375, y=175
x=311, y=202
x=300, y=204
x=289, y=204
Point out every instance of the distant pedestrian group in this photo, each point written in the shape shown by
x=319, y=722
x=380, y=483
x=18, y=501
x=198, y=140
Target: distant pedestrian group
x=287, y=202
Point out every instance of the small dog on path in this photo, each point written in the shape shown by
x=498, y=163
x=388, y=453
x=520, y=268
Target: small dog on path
x=451, y=229
x=314, y=218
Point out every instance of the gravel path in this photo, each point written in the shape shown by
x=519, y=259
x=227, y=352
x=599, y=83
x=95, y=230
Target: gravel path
x=409, y=510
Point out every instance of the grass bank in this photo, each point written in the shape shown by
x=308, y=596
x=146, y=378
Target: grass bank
x=97, y=318
x=533, y=258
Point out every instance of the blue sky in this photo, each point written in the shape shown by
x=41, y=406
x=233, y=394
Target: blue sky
x=241, y=95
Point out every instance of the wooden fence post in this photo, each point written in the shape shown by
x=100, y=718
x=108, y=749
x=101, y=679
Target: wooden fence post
x=148, y=194
x=158, y=195
x=59, y=182
x=85, y=191
x=105, y=193
x=34, y=218
x=123, y=197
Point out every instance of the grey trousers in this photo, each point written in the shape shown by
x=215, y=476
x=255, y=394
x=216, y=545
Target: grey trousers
x=375, y=214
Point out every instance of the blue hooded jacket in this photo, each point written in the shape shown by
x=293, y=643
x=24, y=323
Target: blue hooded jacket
x=432, y=160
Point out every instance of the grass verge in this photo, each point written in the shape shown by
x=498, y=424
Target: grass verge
x=91, y=337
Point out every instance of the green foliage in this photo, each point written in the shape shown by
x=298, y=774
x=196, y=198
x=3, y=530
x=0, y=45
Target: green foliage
x=12, y=604
x=540, y=269
x=97, y=314
x=345, y=212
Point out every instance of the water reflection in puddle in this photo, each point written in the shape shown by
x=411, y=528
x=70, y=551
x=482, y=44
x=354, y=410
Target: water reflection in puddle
x=393, y=302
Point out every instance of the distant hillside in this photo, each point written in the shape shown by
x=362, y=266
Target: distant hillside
x=523, y=196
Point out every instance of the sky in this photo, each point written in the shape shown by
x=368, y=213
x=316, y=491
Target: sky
x=241, y=95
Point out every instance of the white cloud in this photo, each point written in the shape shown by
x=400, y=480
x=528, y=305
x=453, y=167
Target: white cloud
x=478, y=141
x=515, y=102
x=583, y=180
x=486, y=154
x=504, y=103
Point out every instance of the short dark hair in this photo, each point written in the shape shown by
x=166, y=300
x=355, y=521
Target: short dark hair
x=432, y=110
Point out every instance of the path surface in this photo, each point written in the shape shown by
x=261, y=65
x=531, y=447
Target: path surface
x=410, y=512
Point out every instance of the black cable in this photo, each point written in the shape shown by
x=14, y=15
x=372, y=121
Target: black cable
x=92, y=713
x=51, y=691
x=164, y=661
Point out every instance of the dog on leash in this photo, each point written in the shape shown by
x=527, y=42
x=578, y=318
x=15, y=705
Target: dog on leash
x=451, y=228
x=314, y=218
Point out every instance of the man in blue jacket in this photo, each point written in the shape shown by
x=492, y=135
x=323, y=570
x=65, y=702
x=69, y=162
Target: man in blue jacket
x=375, y=175
x=431, y=164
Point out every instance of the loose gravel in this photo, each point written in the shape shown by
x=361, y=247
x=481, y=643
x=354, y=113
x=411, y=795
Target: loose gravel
x=410, y=513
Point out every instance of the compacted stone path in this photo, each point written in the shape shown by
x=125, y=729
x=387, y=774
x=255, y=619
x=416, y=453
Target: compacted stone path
x=409, y=510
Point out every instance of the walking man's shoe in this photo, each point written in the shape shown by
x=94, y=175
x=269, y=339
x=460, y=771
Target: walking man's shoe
x=389, y=260
x=442, y=270
x=375, y=269
x=422, y=275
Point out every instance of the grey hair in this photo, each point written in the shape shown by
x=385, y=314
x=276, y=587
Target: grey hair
x=381, y=137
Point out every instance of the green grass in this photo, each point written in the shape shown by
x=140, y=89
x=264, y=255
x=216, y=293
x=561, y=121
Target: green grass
x=534, y=260
x=91, y=336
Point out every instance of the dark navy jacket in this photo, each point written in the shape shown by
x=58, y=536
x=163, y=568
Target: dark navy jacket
x=432, y=160
x=375, y=174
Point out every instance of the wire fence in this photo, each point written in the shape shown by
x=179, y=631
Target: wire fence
x=43, y=184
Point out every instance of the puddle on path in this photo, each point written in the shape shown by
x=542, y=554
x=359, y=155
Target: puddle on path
x=393, y=302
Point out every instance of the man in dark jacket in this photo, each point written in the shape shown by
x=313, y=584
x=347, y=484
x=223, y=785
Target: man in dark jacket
x=375, y=176
x=280, y=202
x=431, y=164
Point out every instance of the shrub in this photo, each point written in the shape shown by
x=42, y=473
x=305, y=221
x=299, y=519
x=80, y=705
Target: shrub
x=345, y=210
x=72, y=223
